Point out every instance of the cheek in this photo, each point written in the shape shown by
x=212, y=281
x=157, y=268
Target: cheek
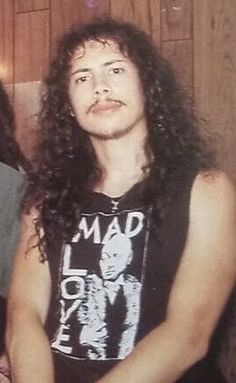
x=139, y=90
x=79, y=96
x=134, y=90
x=140, y=100
x=80, y=105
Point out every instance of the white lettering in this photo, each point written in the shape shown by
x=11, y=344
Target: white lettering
x=94, y=229
x=66, y=264
x=78, y=288
x=63, y=335
x=66, y=314
x=130, y=223
x=113, y=228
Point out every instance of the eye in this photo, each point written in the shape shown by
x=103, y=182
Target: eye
x=81, y=79
x=116, y=70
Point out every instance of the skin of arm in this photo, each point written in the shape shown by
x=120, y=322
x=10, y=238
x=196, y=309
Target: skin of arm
x=204, y=280
x=27, y=344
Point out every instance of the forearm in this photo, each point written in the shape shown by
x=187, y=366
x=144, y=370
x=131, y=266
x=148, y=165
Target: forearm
x=161, y=357
x=29, y=350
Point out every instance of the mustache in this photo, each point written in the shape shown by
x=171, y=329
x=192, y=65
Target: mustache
x=107, y=101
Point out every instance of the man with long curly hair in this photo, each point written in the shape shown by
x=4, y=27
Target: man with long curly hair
x=119, y=153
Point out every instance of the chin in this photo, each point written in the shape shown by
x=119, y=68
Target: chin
x=109, y=134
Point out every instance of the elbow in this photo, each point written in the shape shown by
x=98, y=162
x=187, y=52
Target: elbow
x=192, y=332
x=196, y=344
x=191, y=340
x=198, y=347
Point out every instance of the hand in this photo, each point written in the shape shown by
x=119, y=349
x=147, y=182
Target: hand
x=4, y=369
x=4, y=379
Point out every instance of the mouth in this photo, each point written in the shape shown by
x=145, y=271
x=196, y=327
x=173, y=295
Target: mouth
x=105, y=106
x=108, y=273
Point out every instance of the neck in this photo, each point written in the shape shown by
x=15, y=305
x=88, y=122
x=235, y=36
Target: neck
x=122, y=162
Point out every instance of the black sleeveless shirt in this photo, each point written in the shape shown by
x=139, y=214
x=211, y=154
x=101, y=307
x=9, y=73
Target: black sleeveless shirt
x=111, y=284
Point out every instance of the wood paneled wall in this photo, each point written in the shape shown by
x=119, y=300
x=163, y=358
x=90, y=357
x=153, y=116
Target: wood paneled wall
x=214, y=49
x=197, y=36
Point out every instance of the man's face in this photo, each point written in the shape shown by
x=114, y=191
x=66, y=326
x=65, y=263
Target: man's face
x=115, y=257
x=105, y=91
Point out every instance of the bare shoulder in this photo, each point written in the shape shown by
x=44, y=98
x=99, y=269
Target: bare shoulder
x=213, y=189
x=212, y=218
x=214, y=180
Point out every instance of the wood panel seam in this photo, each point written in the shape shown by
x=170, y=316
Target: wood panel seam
x=31, y=11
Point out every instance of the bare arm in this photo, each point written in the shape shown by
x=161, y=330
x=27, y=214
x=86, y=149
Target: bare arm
x=204, y=280
x=27, y=344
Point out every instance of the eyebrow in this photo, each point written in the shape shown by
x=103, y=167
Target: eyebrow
x=106, y=64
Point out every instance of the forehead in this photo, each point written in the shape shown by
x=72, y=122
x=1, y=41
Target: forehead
x=97, y=51
x=117, y=244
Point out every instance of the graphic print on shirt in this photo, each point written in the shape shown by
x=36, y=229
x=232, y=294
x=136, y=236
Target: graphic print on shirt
x=100, y=286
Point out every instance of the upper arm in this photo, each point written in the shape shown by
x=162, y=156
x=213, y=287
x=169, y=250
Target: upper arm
x=30, y=288
x=207, y=271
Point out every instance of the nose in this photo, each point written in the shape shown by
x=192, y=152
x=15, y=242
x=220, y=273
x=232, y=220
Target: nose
x=101, y=88
x=101, y=91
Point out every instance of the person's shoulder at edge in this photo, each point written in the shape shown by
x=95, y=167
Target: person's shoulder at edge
x=9, y=174
x=12, y=188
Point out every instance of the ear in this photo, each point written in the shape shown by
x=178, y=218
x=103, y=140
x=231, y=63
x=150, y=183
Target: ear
x=130, y=257
x=71, y=111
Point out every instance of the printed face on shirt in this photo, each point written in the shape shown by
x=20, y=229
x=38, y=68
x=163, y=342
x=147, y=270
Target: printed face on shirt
x=105, y=91
x=115, y=257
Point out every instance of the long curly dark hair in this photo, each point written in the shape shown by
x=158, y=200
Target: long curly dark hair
x=67, y=166
x=10, y=153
